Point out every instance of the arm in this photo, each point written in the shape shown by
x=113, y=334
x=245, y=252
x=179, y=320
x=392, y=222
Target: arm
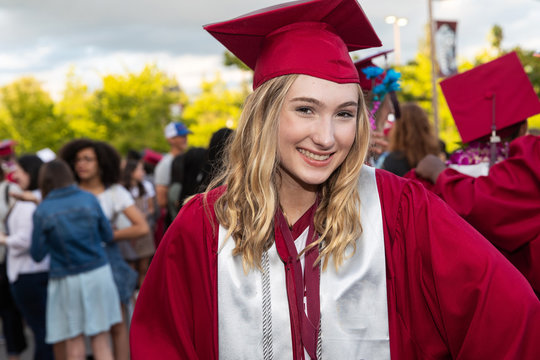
x=504, y=206
x=39, y=247
x=176, y=312
x=138, y=227
x=161, y=195
x=457, y=295
x=20, y=223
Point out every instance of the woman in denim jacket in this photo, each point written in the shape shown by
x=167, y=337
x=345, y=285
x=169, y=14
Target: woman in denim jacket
x=82, y=297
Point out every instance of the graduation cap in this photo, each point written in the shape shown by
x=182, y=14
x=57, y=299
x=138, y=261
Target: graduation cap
x=301, y=37
x=490, y=97
x=7, y=147
x=151, y=157
x=362, y=64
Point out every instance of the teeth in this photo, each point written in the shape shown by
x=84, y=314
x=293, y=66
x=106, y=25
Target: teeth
x=313, y=156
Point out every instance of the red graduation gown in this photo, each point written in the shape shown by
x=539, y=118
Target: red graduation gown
x=504, y=206
x=451, y=294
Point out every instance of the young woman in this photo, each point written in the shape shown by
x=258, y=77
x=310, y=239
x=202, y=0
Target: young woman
x=142, y=191
x=306, y=253
x=96, y=166
x=27, y=277
x=411, y=138
x=82, y=298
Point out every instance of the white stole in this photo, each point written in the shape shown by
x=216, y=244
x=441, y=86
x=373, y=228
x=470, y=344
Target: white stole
x=354, y=312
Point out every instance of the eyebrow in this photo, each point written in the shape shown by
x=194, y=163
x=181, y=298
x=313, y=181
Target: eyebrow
x=319, y=103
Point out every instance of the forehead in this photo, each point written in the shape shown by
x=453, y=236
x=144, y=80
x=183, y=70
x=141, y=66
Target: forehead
x=86, y=151
x=306, y=86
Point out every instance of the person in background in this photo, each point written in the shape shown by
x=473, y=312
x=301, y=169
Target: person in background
x=177, y=137
x=305, y=252
x=28, y=278
x=411, y=138
x=8, y=158
x=11, y=318
x=82, y=299
x=132, y=178
x=96, y=166
x=379, y=86
x=215, y=156
x=501, y=201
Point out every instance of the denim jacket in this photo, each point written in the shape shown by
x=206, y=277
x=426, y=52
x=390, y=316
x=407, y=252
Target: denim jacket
x=70, y=224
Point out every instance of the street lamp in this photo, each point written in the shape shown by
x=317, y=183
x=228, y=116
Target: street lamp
x=397, y=22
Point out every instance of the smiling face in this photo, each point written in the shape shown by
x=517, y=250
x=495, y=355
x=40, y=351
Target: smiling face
x=317, y=127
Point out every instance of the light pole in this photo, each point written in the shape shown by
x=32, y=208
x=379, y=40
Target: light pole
x=434, y=94
x=397, y=22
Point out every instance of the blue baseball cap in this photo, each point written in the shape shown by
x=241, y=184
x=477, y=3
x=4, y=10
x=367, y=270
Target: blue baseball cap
x=176, y=129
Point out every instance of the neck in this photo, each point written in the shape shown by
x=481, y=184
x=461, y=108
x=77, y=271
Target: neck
x=295, y=200
x=94, y=185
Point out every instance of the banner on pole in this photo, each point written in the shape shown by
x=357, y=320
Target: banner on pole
x=445, y=39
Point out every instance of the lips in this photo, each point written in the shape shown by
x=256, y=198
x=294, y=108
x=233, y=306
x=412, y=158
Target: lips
x=312, y=156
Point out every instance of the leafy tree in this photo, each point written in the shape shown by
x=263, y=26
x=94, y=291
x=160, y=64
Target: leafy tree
x=133, y=109
x=27, y=116
x=214, y=108
x=74, y=109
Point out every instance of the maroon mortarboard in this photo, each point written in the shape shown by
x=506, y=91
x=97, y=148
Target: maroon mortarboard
x=7, y=147
x=496, y=92
x=151, y=156
x=365, y=83
x=301, y=37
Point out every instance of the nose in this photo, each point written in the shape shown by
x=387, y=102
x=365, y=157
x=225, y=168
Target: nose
x=323, y=134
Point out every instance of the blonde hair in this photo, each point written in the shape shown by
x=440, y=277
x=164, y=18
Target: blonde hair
x=250, y=172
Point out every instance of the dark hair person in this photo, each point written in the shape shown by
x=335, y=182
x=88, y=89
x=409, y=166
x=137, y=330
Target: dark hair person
x=82, y=298
x=304, y=252
x=96, y=166
x=28, y=278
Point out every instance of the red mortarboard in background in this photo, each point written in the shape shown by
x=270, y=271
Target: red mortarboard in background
x=301, y=37
x=470, y=97
x=151, y=156
x=7, y=147
x=365, y=83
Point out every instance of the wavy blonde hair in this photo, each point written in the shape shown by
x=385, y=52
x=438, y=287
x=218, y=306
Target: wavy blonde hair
x=251, y=173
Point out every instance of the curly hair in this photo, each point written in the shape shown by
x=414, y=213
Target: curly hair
x=252, y=178
x=107, y=157
x=413, y=135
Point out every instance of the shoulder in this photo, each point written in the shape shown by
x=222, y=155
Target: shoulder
x=399, y=195
x=524, y=144
x=196, y=224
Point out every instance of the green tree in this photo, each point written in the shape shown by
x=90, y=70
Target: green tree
x=133, y=109
x=495, y=38
x=27, y=116
x=531, y=65
x=214, y=108
x=74, y=109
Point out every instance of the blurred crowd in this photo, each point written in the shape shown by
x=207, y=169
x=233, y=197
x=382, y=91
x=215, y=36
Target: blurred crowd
x=78, y=230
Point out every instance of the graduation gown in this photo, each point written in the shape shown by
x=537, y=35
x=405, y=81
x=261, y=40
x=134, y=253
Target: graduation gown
x=450, y=293
x=504, y=206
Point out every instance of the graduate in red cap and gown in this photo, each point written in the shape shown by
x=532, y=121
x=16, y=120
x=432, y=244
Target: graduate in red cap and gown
x=306, y=253
x=494, y=185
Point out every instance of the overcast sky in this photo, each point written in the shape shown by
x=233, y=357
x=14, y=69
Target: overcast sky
x=43, y=38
